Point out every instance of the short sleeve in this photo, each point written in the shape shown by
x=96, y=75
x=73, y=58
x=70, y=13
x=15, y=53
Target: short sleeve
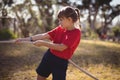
x=52, y=33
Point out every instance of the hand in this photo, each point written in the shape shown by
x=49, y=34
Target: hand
x=19, y=40
x=38, y=43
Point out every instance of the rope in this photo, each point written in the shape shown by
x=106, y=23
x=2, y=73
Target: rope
x=86, y=72
x=70, y=61
x=13, y=41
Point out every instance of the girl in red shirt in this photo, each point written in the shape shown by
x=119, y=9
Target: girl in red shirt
x=64, y=40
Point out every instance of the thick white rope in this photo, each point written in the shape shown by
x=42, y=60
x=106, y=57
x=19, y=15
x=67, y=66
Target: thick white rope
x=81, y=69
x=70, y=61
x=13, y=41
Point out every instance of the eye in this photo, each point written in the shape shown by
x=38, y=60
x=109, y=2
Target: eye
x=60, y=19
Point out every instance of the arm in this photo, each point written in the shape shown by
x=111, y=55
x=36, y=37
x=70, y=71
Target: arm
x=35, y=37
x=40, y=36
x=58, y=47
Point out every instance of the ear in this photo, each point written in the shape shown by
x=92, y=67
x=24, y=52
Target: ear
x=70, y=19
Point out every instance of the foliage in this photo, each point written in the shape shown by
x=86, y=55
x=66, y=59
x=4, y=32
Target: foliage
x=100, y=8
x=116, y=31
x=8, y=2
x=6, y=34
x=89, y=34
x=37, y=16
x=93, y=7
x=46, y=11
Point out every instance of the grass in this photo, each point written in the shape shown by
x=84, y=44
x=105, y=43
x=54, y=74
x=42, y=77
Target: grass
x=102, y=59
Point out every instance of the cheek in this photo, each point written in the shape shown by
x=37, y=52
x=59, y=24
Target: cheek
x=67, y=23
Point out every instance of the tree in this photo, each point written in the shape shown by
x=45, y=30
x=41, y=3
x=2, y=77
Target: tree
x=93, y=7
x=46, y=11
x=4, y=19
x=100, y=8
x=28, y=22
x=109, y=13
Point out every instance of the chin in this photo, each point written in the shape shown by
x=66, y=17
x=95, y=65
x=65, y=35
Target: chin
x=63, y=27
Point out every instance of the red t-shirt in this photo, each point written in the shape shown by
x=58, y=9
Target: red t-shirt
x=70, y=38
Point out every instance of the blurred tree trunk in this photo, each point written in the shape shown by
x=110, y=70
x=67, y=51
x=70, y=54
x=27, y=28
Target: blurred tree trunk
x=113, y=12
x=46, y=11
x=22, y=22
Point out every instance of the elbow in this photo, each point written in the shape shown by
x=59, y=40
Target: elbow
x=59, y=47
x=62, y=49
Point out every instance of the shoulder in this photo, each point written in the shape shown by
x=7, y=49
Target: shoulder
x=76, y=31
x=58, y=28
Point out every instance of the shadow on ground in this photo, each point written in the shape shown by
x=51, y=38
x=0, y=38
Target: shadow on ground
x=22, y=57
x=14, y=58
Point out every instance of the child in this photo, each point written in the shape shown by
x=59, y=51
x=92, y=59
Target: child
x=65, y=39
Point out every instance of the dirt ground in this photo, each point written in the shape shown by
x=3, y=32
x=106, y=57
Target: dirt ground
x=102, y=59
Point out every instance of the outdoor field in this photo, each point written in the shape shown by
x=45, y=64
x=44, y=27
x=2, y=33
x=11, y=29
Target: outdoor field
x=100, y=58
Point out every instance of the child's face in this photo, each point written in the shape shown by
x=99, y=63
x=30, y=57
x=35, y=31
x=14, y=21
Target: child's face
x=65, y=22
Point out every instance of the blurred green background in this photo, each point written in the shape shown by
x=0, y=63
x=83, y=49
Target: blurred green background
x=100, y=19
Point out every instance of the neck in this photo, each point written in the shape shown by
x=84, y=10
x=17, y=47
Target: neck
x=70, y=27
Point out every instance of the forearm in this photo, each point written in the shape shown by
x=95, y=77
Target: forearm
x=40, y=37
x=34, y=38
x=25, y=39
x=58, y=47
